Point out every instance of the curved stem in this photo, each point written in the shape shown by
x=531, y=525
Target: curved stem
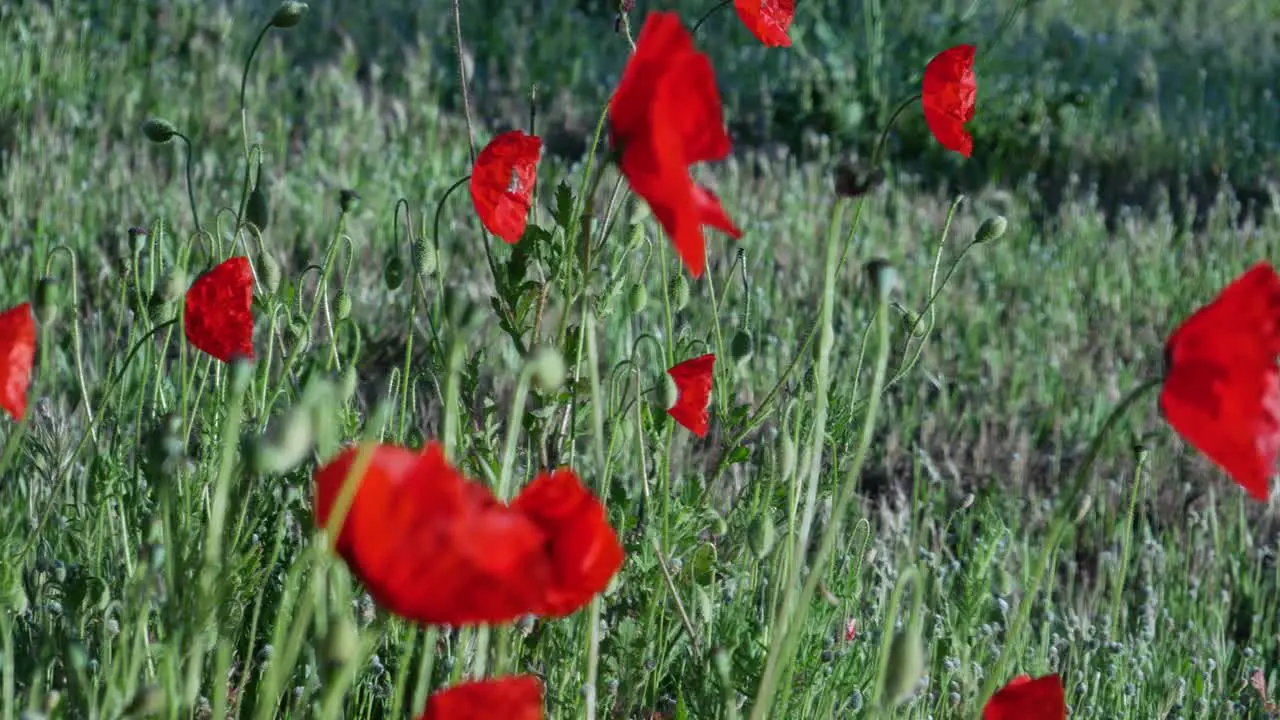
x=191, y=189
x=719, y=6
x=75, y=332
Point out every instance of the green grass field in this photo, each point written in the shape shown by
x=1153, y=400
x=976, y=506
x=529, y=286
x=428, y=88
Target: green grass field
x=153, y=564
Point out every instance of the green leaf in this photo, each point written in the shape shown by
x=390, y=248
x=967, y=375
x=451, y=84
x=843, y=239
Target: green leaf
x=563, y=212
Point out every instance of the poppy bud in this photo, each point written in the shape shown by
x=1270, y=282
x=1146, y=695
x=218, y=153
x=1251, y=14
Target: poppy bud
x=723, y=664
x=174, y=285
x=787, y=455
x=1085, y=506
x=158, y=309
x=883, y=277
x=740, y=346
x=45, y=306
x=718, y=525
x=604, y=304
x=637, y=236
x=679, y=290
x=290, y=442
x=911, y=324
x=289, y=14
x=760, y=536
x=393, y=273
x=548, y=370
x=158, y=130
x=256, y=212
x=342, y=306
x=347, y=385
x=906, y=666
x=348, y=200
x=670, y=393
x=269, y=272
x=341, y=642
x=149, y=700
x=991, y=229
x=241, y=374
x=637, y=298
x=424, y=258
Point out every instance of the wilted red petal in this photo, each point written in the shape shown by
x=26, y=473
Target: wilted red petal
x=1221, y=388
x=693, y=393
x=502, y=183
x=17, y=355
x=219, y=315
x=437, y=548
x=1027, y=699
x=948, y=94
x=584, y=550
x=516, y=697
x=768, y=20
x=665, y=116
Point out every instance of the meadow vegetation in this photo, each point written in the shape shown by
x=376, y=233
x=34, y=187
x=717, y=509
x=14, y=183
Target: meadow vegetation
x=158, y=550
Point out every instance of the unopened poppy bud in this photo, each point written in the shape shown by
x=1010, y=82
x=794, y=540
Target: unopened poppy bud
x=393, y=273
x=45, y=306
x=256, y=211
x=854, y=181
x=679, y=290
x=424, y=258
x=241, y=373
x=740, y=346
x=967, y=502
x=883, y=277
x=291, y=440
x=299, y=335
x=348, y=382
x=787, y=455
x=906, y=666
x=637, y=236
x=289, y=14
x=1085, y=506
x=911, y=324
x=342, y=306
x=724, y=665
x=637, y=298
x=991, y=229
x=159, y=130
x=760, y=536
x=149, y=700
x=174, y=285
x=718, y=525
x=341, y=642
x=670, y=394
x=158, y=308
x=269, y=272
x=348, y=200
x=547, y=369
x=603, y=306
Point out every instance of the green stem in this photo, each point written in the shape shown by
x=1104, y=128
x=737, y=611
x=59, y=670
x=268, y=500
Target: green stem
x=191, y=188
x=1126, y=542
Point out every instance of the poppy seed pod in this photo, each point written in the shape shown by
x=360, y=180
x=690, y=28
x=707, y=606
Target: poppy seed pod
x=348, y=201
x=289, y=14
x=760, y=536
x=883, y=277
x=45, y=306
x=740, y=346
x=256, y=211
x=342, y=306
x=393, y=273
x=425, y=261
x=679, y=290
x=269, y=272
x=637, y=298
x=159, y=130
x=547, y=369
x=991, y=229
x=906, y=666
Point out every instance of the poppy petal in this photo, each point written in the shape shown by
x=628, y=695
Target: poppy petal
x=1221, y=390
x=1025, y=699
x=693, y=393
x=585, y=552
x=948, y=93
x=219, y=311
x=17, y=356
x=768, y=20
x=502, y=183
x=516, y=697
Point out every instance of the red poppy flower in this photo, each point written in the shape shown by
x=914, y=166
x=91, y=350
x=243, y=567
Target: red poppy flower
x=17, y=355
x=693, y=393
x=768, y=20
x=435, y=547
x=219, y=316
x=948, y=95
x=665, y=116
x=1027, y=699
x=502, y=183
x=517, y=697
x=1221, y=389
